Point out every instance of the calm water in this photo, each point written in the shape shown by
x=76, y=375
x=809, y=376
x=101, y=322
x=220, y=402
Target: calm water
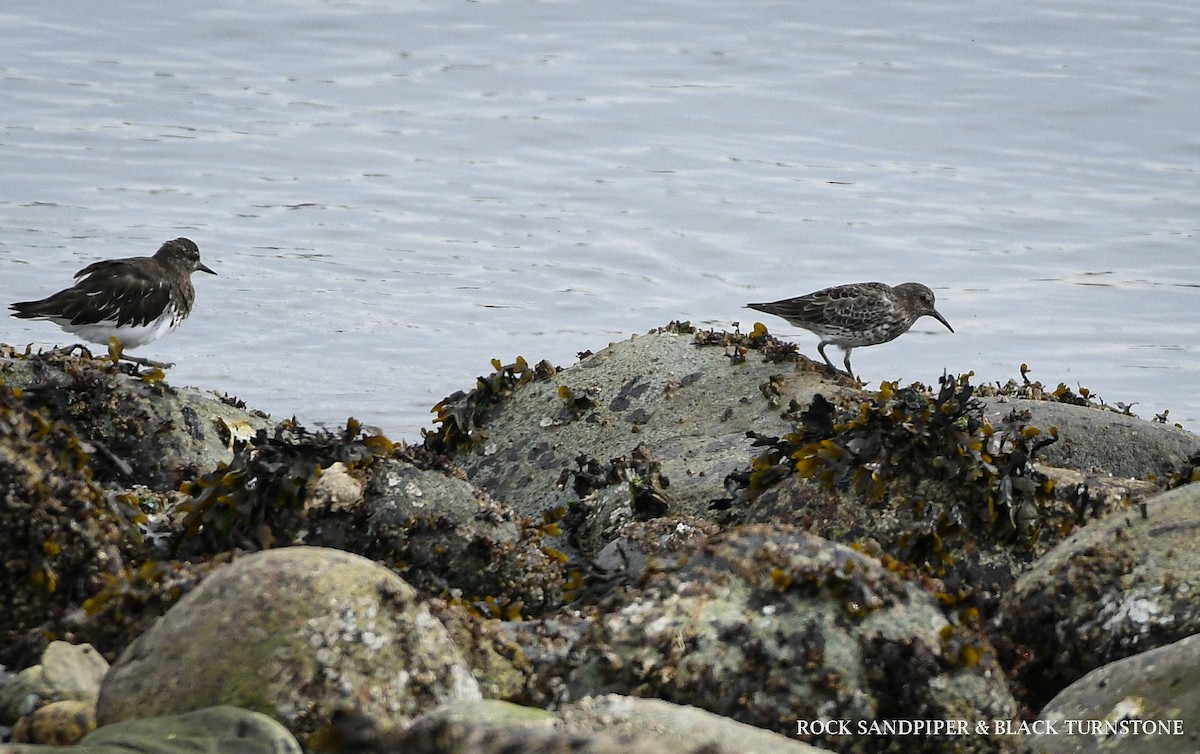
x=394, y=193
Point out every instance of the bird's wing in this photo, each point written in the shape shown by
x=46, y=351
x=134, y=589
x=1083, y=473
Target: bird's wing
x=853, y=305
x=113, y=291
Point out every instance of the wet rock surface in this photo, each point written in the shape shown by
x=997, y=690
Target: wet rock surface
x=687, y=531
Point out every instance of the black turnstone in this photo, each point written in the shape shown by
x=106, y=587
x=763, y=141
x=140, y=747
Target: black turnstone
x=135, y=300
x=858, y=314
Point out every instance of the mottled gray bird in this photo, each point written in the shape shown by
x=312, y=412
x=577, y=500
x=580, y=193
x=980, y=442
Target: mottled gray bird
x=858, y=314
x=137, y=300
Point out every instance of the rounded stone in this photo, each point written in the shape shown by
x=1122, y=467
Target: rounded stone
x=296, y=633
x=59, y=723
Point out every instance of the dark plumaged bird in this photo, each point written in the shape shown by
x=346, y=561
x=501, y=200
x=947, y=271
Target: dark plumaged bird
x=137, y=300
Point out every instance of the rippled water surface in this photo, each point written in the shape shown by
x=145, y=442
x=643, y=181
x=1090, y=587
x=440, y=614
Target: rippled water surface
x=395, y=193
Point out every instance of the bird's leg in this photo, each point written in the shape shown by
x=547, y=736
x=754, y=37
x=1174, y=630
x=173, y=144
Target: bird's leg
x=116, y=352
x=821, y=350
x=849, y=371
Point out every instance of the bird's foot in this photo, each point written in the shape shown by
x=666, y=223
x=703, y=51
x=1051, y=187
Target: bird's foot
x=835, y=372
x=148, y=363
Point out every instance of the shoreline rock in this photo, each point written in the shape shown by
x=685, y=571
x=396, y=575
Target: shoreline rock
x=641, y=523
x=310, y=632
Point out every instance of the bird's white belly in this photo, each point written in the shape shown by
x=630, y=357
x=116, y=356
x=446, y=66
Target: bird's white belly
x=131, y=336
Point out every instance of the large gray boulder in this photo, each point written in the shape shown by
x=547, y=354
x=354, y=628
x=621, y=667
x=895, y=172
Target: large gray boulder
x=1145, y=704
x=1112, y=589
x=688, y=407
x=298, y=633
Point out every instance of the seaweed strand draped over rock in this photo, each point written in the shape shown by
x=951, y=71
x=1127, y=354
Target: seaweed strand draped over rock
x=258, y=497
x=931, y=451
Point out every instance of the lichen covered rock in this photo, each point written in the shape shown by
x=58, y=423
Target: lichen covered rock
x=769, y=625
x=1115, y=588
x=297, y=633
